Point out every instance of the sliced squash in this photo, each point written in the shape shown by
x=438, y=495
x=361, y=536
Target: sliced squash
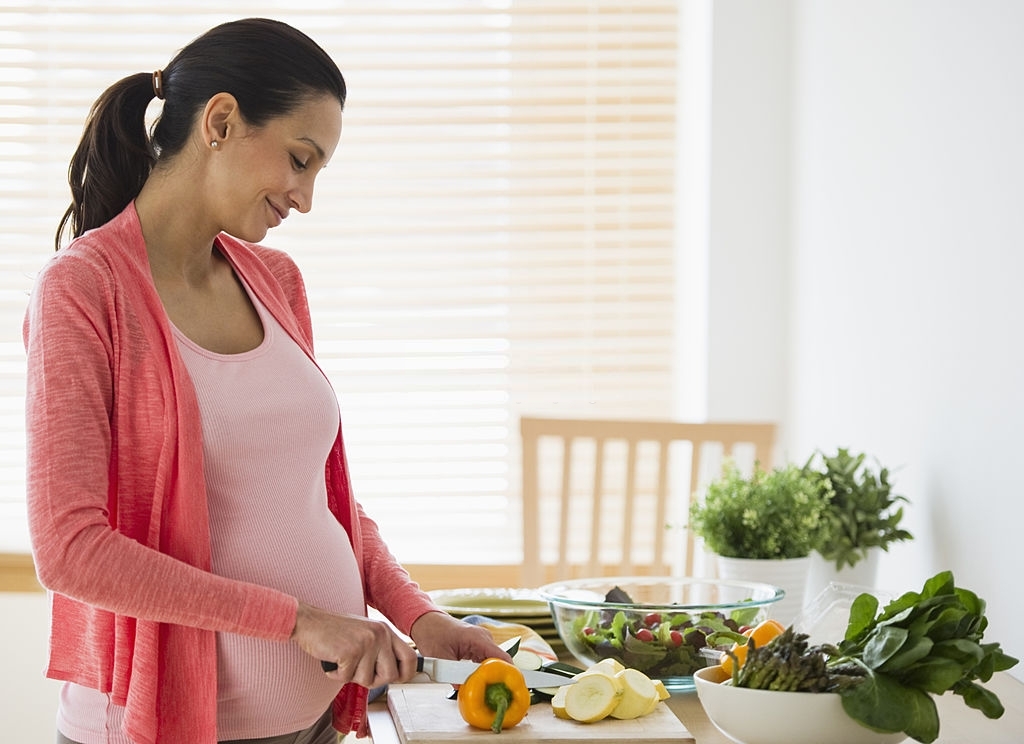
x=592, y=696
x=639, y=695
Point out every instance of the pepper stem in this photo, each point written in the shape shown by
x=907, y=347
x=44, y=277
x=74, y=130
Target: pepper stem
x=498, y=697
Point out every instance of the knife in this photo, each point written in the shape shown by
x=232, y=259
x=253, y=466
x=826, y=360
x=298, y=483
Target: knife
x=456, y=672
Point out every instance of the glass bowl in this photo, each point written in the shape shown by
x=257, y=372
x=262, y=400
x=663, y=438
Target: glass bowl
x=666, y=627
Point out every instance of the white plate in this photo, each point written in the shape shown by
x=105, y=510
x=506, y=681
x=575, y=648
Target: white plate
x=496, y=603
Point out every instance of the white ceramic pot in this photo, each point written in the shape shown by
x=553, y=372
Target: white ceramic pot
x=788, y=573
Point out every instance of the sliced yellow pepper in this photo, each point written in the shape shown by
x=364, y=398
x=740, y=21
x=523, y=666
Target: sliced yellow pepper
x=759, y=635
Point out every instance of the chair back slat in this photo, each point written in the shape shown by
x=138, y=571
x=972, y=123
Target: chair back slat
x=613, y=487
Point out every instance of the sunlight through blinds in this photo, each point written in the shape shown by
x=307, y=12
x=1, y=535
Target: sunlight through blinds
x=494, y=236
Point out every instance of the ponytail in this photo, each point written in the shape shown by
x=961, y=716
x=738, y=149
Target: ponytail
x=113, y=159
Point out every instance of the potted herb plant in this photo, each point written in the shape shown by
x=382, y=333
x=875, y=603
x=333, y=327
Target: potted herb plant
x=864, y=515
x=765, y=527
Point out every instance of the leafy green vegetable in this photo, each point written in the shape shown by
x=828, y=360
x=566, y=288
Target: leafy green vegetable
x=920, y=644
x=779, y=513
x=863, y=511
x=890, y=663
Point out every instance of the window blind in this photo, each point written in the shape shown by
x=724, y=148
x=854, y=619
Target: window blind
x=494, y=235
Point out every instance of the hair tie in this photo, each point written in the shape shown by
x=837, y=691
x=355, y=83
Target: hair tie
x=158, y=84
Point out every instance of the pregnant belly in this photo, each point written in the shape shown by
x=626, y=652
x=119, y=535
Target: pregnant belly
x=269, y=688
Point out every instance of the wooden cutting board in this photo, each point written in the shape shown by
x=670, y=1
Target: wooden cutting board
x=423, y=713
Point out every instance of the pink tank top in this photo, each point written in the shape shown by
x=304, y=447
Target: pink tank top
x=269, y=420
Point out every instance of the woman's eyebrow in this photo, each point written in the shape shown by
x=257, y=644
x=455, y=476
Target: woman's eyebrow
x=314, y=145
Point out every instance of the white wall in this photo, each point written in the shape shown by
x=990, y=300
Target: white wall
x=28, y=701
x=750, y=209
x=909, y=255
x=890, y=180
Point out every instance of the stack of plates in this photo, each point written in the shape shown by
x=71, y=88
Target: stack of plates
x=522, y=606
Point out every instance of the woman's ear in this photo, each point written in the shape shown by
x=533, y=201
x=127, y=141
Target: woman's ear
x=220, y=118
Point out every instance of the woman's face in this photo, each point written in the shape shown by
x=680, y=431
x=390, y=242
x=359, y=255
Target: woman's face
x=265, y=172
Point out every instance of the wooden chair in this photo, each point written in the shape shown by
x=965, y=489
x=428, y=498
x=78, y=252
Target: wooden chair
x=612, y=497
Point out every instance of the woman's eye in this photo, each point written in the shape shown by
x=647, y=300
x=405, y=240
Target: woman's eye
x=299, y=165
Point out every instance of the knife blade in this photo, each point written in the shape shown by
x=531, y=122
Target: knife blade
x=456, y=672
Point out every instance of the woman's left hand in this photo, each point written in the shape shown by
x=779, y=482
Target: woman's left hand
x=441, y=635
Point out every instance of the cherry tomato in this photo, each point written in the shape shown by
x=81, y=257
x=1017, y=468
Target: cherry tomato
x=644, y=634
x=651, y=619
x=676, y=637
x=588, y=631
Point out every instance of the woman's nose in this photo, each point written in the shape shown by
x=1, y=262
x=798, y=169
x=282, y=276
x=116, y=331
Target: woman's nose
x=301, y=198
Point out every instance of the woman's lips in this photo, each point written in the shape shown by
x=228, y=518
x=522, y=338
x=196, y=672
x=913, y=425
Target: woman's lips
x=278, y=213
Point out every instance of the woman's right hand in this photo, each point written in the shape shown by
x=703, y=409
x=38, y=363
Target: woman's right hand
x=366, y=651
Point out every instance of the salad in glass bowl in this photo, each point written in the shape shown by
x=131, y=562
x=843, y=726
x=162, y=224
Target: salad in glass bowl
x=665, y=627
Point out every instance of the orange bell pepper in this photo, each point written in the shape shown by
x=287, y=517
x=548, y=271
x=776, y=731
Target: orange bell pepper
x=759, y=635
x=494, y=696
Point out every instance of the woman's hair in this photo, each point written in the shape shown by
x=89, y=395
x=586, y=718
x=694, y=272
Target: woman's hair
x=268, y=66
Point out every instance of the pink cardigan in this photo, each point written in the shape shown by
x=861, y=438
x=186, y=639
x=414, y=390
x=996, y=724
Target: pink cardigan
x=117, y=500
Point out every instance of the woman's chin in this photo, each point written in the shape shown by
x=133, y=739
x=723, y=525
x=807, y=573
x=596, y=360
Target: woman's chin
x=250, y=234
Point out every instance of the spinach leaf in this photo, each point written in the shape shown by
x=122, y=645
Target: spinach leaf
x=882, y=645
x=979, y=698
x=933, y=675
x=862, y=614
x=919, y=645
x=883, y=704
x=910, y=652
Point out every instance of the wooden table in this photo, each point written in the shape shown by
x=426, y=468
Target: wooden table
x=958, y=723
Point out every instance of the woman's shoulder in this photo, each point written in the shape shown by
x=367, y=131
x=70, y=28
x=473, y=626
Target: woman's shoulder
x=85, y=265
x=101, y=254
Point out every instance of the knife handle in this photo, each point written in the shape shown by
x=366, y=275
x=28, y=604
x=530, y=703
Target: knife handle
x=330, y=666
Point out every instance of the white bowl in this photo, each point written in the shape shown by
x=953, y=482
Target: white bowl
x=771, y=717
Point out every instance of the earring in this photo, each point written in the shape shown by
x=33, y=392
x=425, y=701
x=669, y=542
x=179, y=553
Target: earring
x=214, y=144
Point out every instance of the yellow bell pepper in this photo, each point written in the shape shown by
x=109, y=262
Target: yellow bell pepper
x=494, y=696
x=760, y=635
